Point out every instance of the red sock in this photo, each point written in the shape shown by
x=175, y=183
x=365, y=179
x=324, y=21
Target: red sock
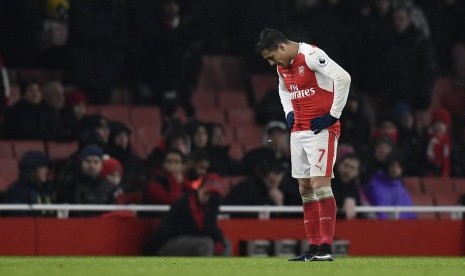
x=327, y=219
x=312, y=222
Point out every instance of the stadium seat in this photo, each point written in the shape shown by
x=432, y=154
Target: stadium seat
x=6, y=181
x=413, y=185
x=147, y=136
x=118, y=113
x=6, y=150
x=446, y=199
x=60, y=151
x=424, y=200
x=249, y=136
x=9, y=167
x=233, y=99
x=240, y=117
x=459, y=185
x=236, y=151
x=21, y=147
x=222, y=72
x=145, y=116
x=139, y=148
x=204, y=99
x=263, y=83
x=93, y=109
x=434, y=186
x=214, y=115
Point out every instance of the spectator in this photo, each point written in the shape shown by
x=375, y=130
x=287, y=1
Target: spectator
x=346, y=186
x=29, y=118
x=32, y=186
x=75, y=110
x=382, y=148
x=198, y=164
x=4, y=86
x=54, y=98
x=119, y=147
x=260, y=189
x=439, y=145
x=199, y=137
x=94, y=125
x=97, y=42
x=218, y=150
x=410, y=65
x=355, y=127
x=458, y=155
x=386, y=188
x=112, y=172
x=168, y=184
x=410, y=142
x=87, y=186
x=190, y=228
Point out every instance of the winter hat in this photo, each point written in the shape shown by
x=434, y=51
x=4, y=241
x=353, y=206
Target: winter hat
x=32, y=160
x=91, y=150
x=76, y=97
x=110, y=166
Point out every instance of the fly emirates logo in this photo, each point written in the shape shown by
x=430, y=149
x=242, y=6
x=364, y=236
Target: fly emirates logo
x=297, y=94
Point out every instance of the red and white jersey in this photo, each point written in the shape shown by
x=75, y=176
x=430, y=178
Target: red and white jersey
x=312, y=86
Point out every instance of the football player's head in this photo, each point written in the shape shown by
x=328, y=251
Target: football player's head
x=274, y=47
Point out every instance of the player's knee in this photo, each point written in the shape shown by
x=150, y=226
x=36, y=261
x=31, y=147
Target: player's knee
x=317, y=182
x=304, y=186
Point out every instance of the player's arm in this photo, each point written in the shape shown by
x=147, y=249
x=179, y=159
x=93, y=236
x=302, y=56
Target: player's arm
x=319, y=61
x=286, y=101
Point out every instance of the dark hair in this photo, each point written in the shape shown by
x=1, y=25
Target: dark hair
x=349, y=156
x=269, y=40
x=174, y=151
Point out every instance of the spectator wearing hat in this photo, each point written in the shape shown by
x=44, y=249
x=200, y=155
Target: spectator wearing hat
x=119, y=147
x=87, y=186
x=439, y=144
x=32, y=186
x=75, y=110
x=190, y=228
x=29, y=118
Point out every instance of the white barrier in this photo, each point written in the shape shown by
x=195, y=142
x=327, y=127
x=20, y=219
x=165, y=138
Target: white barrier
x=263, y=211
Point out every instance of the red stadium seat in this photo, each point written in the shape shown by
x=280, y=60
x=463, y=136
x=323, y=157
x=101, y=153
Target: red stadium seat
x=434, y=186
x=146, y=116
x=93, y=109
x=424, y=200
x=459, y=185
x=222, y=72
x=249, y=136
x=204, y=99
x=6, y=150
x=232, y=99
x=447, y=199
x=9, y=167
x=147, y=136
x=59, y=151
x=20, y=147
x=118, y=113
x=240, y=117
x=6, y=181
x=261, y=84
x=413, y=185
x=236, y=151
x=213, y=115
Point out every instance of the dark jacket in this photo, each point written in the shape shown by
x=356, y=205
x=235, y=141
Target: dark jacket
x=342, y=191
x=221, y=162
x=181, y=221
x=25, y=192
x=36, y=122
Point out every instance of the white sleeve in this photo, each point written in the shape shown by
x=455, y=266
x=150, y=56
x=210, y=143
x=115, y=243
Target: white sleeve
x=319, y=61
x=285, y=96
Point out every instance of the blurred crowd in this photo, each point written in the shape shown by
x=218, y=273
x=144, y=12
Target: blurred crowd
x=404, y=116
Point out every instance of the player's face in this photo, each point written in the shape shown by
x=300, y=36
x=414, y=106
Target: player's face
x=276, y=57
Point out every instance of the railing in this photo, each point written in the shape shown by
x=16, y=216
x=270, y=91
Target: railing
x=263, y=212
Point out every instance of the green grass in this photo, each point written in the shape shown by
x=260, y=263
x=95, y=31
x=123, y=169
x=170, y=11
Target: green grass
x=116, y=266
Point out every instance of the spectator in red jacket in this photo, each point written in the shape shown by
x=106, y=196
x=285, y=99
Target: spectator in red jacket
x=168, y=183
x=438, y=150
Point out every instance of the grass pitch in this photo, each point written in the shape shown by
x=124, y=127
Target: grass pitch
x=115, y=266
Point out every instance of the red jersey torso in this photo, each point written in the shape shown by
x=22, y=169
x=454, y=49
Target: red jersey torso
x=309, y=100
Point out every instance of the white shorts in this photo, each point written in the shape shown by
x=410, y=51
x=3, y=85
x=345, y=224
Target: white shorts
x=313, y=155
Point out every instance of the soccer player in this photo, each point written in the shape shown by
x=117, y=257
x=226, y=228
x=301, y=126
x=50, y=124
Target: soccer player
x=313, y=91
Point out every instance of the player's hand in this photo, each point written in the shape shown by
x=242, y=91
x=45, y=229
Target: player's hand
x=290, y=119
x=322, y=122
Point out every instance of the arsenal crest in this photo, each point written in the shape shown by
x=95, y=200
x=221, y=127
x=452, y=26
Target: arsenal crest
x=301, y=70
